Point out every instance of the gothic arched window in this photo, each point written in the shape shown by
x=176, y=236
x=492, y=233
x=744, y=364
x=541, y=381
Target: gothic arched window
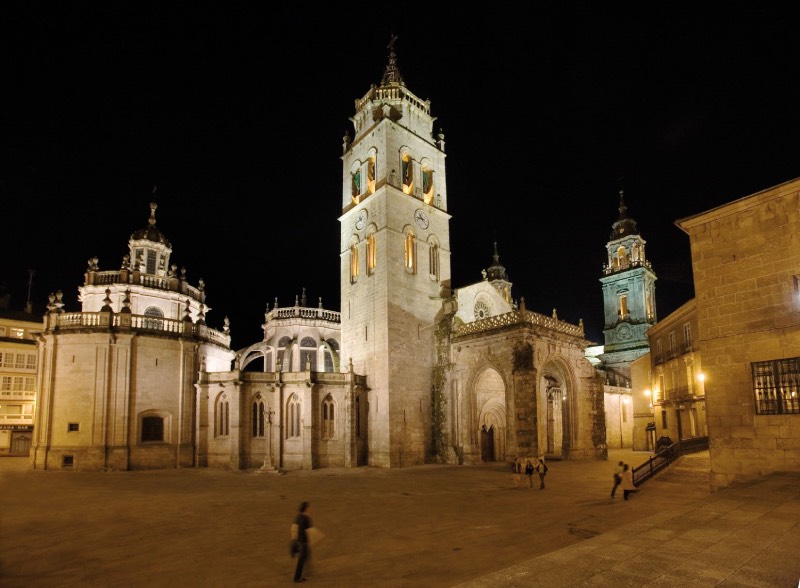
x=293, y=417
x=328, y=418
x=433, y=261
x=258, y=416
x=222, y=415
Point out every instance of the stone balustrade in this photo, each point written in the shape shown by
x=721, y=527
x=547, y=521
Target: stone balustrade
x=518, y=317
x=67, y=321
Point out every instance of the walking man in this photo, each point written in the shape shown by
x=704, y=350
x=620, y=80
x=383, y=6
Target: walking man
x=303, y=522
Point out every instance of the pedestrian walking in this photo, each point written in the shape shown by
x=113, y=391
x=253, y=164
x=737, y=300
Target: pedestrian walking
x=617, y=477
x=626, y=483
x=301, y=547
x=529, y=473
x=541, y=467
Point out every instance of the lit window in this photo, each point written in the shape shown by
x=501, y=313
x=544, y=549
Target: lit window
x=371, y=175
x=687, y=336
x=410, y=253
x=31, y=363
x=371, y=254
x=776, y=386
x=623, y=305
x=353, y=263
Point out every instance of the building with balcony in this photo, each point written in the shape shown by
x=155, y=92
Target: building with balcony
x=676, y=379
x=18, y=369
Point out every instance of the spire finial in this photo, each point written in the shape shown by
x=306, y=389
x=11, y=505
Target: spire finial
x=391, y=75
x=622, y=208
x=153, y=207
x=496, y=256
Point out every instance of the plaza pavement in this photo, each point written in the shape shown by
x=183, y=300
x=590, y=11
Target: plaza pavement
x=425, y=526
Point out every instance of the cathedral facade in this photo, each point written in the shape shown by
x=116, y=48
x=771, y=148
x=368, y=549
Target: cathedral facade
x=409, y=371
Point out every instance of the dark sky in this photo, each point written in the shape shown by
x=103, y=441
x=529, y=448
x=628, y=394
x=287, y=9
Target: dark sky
x=236, y=113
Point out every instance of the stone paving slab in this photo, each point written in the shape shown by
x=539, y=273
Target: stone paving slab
x=427, y=526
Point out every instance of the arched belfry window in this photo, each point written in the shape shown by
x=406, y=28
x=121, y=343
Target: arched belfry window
x=293, y=417
x=328, y=418
x=407, y=173
x=622, y=258
x=371, y=254
x=427, y=185
x=410, y=251
x=371, y=173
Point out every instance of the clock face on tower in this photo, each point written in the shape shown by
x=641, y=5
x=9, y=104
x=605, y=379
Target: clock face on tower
x=421, y=218
x=361, y=220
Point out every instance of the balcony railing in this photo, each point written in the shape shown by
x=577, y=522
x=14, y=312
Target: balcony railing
x=169, y=283
x=73, y=321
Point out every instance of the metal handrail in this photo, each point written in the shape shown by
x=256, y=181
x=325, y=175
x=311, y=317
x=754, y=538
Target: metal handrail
x=665, y=456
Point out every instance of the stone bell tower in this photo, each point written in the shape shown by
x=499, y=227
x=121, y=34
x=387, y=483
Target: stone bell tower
x=395, y=262
x=628, y=296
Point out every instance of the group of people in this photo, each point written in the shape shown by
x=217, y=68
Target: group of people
x=623, y=478
x=540, y=468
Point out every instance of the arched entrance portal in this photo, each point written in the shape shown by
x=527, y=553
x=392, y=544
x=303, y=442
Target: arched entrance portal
x=555, y=402
x=490, y=396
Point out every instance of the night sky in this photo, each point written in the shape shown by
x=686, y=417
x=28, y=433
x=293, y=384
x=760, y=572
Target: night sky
x=236, y=112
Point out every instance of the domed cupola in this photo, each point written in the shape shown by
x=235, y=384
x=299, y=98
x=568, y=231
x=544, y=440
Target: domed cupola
x=149, y=248
x=497, y=276
x=624, y=225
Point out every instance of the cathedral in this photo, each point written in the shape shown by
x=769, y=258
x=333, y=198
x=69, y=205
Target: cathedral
x=410, y=370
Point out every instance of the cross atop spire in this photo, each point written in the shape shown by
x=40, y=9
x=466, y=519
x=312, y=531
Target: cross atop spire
x=391, y=75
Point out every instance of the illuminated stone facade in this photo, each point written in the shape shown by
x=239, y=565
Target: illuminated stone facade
x=745, y=260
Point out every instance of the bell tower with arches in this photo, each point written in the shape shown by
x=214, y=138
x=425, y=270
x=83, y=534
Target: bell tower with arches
x=629, y=298
x=395, y=262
